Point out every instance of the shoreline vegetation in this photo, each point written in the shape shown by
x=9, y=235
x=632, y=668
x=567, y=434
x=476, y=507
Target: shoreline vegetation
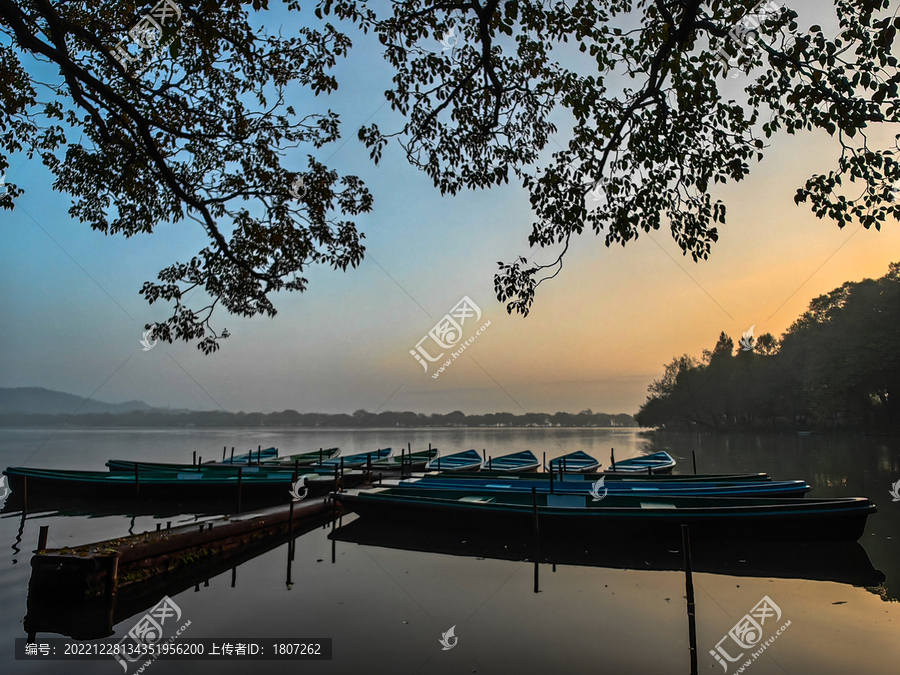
x=292, y=418
x=837, y=368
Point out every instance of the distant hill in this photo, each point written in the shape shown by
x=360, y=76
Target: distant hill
x=39, y=401
x=37, y=407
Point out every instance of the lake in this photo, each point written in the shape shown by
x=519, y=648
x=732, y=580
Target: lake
x=386, y=598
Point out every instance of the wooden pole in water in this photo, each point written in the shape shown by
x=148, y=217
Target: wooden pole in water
x=649, y=470
x=111, y=563
x=545, y=461
x=232, y=454
x=689, y=590
x=320, y=455
x=42, y=538
x=694, y=456
x=258, y=455
x=224, y=450
x=194, y=460
x=537, y=530
x=337, y=487
x=240, y=486
x=233, y=576
x=612, y=458
x=551, y=482
x=536, y=587
x=200, y=460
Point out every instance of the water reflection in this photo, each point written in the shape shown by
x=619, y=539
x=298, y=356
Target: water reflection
x=842, y=562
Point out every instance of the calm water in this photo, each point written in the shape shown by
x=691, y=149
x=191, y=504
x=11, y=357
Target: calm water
x=385, y=595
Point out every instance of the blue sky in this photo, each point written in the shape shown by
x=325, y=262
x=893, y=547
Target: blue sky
x=597, y=336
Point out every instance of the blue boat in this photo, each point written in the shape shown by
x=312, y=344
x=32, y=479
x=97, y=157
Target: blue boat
x=247, y=457
x=658, y=462
x=359, y=459
x=518, y=461
x=468, y=460
x=599, y=489
x=574, y=462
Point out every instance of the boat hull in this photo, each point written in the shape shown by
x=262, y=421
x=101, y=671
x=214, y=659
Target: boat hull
x=796, y=520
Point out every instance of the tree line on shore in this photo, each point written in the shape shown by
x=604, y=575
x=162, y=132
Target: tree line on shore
x=292, y=418
x=836, y=367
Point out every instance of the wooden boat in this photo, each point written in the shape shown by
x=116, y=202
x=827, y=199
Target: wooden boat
x=247, y=457
x=410, y=460
x=628, y=517
x=592, y=477
x=468, y=460
x=359, y=459
x=791, y=488
x=514, y=463
x=302, y=458
x=129, y=465
x=168, y=484
x=574, y=462
x=658, y=462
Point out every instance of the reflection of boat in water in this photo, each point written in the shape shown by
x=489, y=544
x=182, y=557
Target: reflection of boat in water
x=840, y=562
x=94, y=618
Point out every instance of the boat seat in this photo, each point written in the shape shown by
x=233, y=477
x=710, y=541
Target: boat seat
x=477, y=500
x=566, y=501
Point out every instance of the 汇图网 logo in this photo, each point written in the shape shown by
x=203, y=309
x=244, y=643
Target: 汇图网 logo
x=748, y=633
x=447, y=333
x=595, y=490
x=446, y=637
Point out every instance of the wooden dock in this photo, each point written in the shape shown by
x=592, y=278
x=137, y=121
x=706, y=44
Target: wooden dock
x=102, y=568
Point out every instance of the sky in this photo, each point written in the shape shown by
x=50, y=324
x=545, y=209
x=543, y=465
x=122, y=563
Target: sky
x=596, y=337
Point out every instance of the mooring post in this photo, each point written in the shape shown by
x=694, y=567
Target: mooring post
x=200, y=460
x=240, y=486
x=342, y=472
x=258, y=455
x=224, y=450
x=337, y=485
x=233, y=576
x=649, y=470
x=439, y=462
x=694, y=456
x=612, y=458
x=111, y=565
x=545, y=461
x=369, y=462
x=42, y=538
x=536, y=586
x=320, y=455
x=194, y=460
x=379, y=478
x=689, y=589
x=232, y=454
x=551, y=482
x=537, y=530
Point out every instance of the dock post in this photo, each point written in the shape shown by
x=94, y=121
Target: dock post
x=337, y=485
x=439, y=462
x=551, y=482
x=342, y=472
x=689, y=591
x=320, y=455
x=694, y=456
x=224, y=450
x=484, y=454
x=200, y=460
x=379, y=478
x=258, y=455
x=194, y=460
x=490, y=462
x=42, y=538
x=240, y=486
x=111, y=565
x=612, y=458
x=233, y=577
x=537, y=530
x=565, y=468
x=369, y=462
x=137, y=481
x=649, y=470
x=537, y=588
x=232, y=454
